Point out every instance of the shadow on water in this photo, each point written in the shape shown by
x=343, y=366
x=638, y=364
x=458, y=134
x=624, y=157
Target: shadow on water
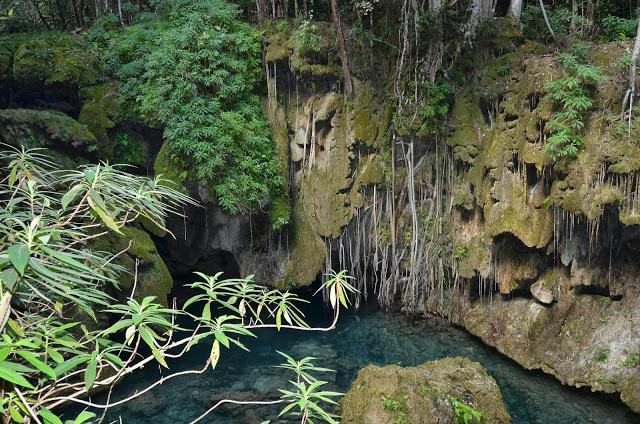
x=365, y=337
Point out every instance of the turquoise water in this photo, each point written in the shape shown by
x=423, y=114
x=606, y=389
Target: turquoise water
x=362, y=338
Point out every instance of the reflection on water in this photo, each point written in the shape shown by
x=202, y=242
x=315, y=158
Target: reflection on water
x=363, y=338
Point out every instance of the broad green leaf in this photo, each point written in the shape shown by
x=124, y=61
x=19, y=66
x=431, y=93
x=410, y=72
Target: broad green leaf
x=71, y=195
x=32, y=359
x=49, y=417
x=84, y=417
x=19, y=256
x=70, y=364
x=8, y=374
x=9, y=277
x=104, y=216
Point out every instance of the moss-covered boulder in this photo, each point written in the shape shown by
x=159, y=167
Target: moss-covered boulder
x=99, y=113
x=172, y=167
x=434, y=392
x=66, y=139
x=53, y=57
x=153, y=277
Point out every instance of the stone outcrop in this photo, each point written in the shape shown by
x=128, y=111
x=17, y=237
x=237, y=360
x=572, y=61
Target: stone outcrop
x=434, y=392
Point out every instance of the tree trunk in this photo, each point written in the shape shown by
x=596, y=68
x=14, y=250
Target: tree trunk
x=39, y=13
x=342, y=50
x=479, y=10
x=633, y=70
x=515, y=8
x=574, y=13
x=546, y=20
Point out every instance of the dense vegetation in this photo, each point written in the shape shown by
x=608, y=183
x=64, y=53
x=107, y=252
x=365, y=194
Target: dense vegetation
x=193, y=70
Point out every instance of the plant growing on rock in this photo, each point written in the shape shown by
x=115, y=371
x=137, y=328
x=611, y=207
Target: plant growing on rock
x=465, y=413
x=54, y=287
x=192, y=70
x=572, y=95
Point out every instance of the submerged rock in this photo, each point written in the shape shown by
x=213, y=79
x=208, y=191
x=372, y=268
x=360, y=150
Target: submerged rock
x=434, y=392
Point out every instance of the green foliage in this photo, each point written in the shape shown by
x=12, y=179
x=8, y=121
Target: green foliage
x=632, y=360
x=460, y=252
x=617, y=28
x=431, y=108
x=398, y=407
x=129, y=149
x=465, y=413
x=571, y=94
x=503, y=70
x=192, y=71
x=602, y=355
x=305, y=37
x=307, y=399
x=48, y=273
x=534, y=27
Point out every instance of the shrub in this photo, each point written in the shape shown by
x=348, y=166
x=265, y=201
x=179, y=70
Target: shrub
x=572, y=95
x=616, y=28
x=192, y=71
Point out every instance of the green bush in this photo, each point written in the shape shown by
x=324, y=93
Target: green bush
x=535, y=28
x=464, y=413
x=617, y=28
x=572, y=94
x=192, y=70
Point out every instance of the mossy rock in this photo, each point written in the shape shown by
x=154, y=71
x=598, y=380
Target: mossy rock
x=8, y=46
x=54, y=57
x=426, y=394
x=512, y=213
x=68, y=141
x=172, y=167
x=100, y=110
x=307, y=254
x=153, y=277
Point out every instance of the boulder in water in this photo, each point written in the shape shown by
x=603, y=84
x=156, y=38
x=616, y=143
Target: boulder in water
x=442, y=391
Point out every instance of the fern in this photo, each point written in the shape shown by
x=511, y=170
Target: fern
x=572, y=95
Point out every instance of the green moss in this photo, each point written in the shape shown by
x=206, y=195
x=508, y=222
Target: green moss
x=365, y=120
x=153, y=277
x=307, y=254
x=602, y=355
x=99, y=112
x=172, y=167
x=280, y=213
x=8, y=45
x=68, y=140
x=56, y=57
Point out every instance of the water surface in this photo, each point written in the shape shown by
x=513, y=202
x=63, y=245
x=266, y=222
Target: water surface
x=360, y=339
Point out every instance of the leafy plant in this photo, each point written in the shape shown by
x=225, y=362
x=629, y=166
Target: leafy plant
x=191, y=70
x=307, y=399
x=398, y=407
x=572, y=94
x=49, y=274
x=617, y=28
x=465, y=413
x=460, y=252
x=602, y=355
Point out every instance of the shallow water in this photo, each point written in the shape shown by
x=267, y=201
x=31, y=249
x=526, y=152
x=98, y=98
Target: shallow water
x=362, y=338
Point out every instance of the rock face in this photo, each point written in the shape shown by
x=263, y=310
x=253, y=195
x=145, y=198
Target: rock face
x=434, y=392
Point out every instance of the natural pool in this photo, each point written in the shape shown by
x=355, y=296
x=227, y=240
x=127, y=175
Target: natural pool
x=361, y=338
